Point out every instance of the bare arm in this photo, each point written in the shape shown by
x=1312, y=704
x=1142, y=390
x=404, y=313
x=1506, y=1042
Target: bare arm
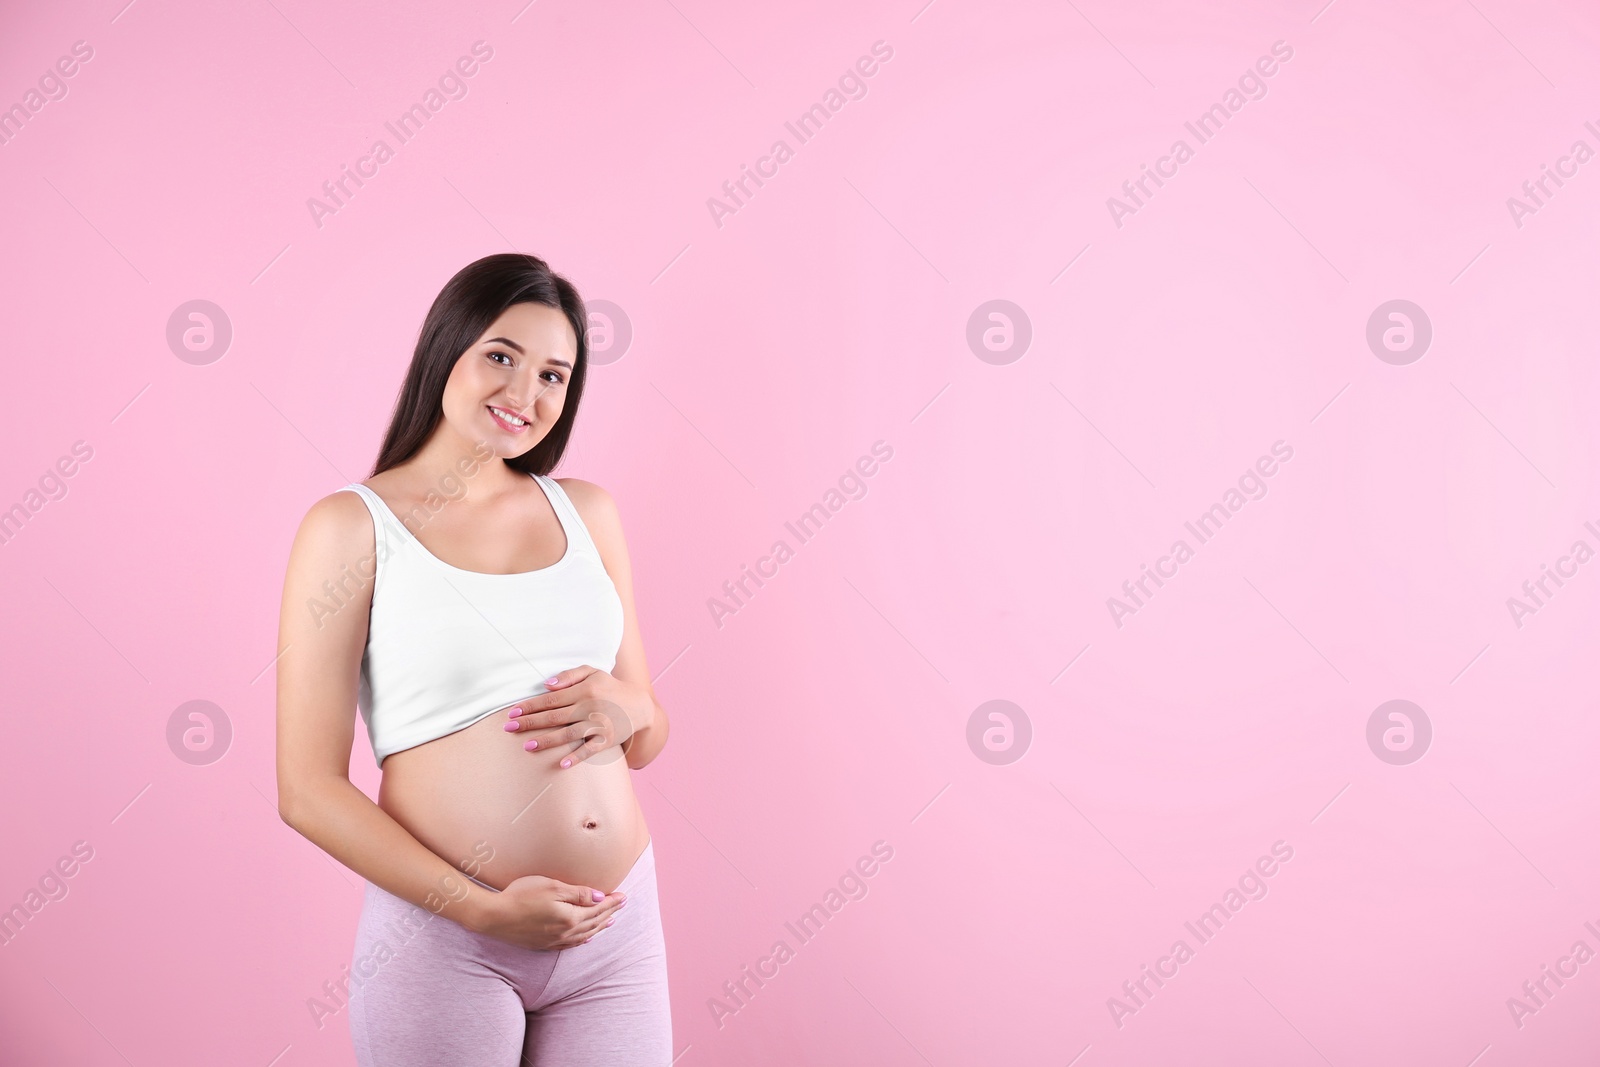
x=599, y=513
x=321, y=643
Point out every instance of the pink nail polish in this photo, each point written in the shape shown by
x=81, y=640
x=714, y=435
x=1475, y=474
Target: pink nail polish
x=511, y=726
x=566, y=763
x=598, y=896
x=531, y=745
x=515, y=712
x=550, y=681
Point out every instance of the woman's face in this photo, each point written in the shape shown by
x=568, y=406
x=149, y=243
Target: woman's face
x=518, y=369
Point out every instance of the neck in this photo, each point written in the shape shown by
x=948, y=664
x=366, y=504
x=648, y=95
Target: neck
x=461, y=469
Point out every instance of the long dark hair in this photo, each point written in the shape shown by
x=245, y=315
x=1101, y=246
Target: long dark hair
x=467, y=305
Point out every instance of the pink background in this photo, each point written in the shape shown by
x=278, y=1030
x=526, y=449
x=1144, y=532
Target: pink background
x=768, y=355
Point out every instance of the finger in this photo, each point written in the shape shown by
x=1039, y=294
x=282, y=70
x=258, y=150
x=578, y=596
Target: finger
x=555, y=709
x=602, y=913
x=552, y=738
x=535, y=704
x=537, y=718
x=593, y=923
x=584, y=751
x=528, y=722
x=581, y=895
x=561, y=678
x=590, y=929
x=577, y=941
x=556, y=739
x=524, y=707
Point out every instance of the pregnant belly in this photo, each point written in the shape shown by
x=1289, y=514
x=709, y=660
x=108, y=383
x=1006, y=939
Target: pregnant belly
x=480, y=801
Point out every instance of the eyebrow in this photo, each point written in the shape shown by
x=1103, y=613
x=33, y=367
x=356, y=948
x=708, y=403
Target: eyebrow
x=522, y=352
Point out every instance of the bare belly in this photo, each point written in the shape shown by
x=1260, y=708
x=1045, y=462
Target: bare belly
x=480, y=801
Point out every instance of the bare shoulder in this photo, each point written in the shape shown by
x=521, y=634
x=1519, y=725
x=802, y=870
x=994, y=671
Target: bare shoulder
x=597, y=509
x=337, y=524
x=588, y=495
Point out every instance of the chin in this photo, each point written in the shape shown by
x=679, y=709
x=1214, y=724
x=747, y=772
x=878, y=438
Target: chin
x=513, y=449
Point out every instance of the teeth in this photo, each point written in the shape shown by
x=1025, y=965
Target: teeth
x=512, y=419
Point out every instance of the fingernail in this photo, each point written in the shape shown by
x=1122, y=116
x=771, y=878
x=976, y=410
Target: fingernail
x=531, y=745
x=511, y=726
x=550, y=681
x=515, y=712
x=598, y=896
x=566, y=763
x=612, y=921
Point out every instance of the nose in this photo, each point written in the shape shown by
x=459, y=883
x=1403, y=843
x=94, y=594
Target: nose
x=516, y=403
x=526, y=386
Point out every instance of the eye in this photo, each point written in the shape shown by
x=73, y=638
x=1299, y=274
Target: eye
x=502, y=355
x=557, y=375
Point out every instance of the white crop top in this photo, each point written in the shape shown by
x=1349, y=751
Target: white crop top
x=447, y=647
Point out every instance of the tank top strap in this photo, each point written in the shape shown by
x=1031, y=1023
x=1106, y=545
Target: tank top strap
x=380, y=517
x=567, y=512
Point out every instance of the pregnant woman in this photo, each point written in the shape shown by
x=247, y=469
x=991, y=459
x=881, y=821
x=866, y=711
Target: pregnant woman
x=480, y=614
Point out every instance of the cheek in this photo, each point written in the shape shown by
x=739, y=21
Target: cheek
x=458, y=387
x=457, y=401
x=467, y=389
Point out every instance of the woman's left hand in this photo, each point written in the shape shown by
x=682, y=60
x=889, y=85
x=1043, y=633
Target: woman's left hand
x=585, y=705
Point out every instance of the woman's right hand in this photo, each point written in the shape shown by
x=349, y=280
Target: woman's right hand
x=543, y=913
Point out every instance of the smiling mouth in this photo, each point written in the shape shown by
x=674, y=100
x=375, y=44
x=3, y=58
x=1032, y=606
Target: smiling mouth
x=507, y=420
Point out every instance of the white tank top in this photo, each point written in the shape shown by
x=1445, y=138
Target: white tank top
x=447, y=647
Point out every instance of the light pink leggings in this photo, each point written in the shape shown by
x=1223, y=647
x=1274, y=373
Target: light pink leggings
x=436, y=994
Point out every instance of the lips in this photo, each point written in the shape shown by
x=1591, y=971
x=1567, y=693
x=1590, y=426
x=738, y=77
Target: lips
x=503, y=419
